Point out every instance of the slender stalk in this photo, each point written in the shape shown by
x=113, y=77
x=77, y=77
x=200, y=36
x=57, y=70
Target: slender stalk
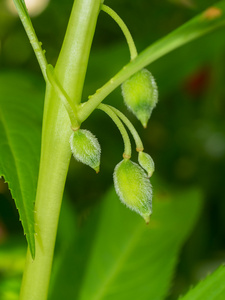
x=55, y=150
x=123, y=27
x=127, y=122
x=36, y=45
x=127, y=145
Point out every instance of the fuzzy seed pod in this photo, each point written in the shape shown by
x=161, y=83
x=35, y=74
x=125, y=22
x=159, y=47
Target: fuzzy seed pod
x=146, y=162
x=140, y=95
x=85, y=148
x=133, y=188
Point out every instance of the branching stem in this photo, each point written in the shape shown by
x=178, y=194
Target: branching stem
x=130, y=126
x=127, y=145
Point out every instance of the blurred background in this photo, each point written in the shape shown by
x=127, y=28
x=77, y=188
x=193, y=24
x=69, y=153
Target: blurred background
x=185, y=135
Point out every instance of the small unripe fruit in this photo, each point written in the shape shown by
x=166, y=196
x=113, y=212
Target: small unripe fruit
x=146, y=162
x=133, y=188
x=85, y=148
x=140, y=94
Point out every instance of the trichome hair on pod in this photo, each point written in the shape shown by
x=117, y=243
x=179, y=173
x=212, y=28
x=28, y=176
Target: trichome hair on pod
x=133, y=187
x=86, y=148
x=140, y=95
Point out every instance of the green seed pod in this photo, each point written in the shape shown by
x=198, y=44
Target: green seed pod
x=133, y=188
x=140, y=95
x=85, y=148
x=146, y=162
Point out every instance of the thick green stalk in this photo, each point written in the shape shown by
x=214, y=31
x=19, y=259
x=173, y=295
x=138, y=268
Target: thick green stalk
x=55, y=151
x=72, y=63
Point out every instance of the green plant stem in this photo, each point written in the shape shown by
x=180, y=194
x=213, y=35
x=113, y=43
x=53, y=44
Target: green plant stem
x=69, y=105
x=71, y=66
x=192, y=30
x=127, y=122
x=55, y=149
x=123, y=27
x=36, y=45
x=127, y=145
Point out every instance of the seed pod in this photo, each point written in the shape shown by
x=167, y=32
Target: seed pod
x=85, y=148
x=146, y=162
x=133, y=188
x=140, y=95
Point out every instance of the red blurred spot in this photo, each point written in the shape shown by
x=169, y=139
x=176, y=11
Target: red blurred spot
x=3, y=232
x=197, y=84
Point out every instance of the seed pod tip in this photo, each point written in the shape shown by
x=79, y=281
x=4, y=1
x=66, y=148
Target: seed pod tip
x=133, y=188
x=140, y=95
x=85, y=148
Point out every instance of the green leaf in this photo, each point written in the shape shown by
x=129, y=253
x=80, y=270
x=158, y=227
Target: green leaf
x=212, y=287
x=117, y=256
x=130, y=260
x=20, y=138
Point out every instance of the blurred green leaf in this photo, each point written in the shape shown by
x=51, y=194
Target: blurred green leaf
x=20, y=137
x=12, y=258
x=116, y=243
x=12, y=261
x=212, y=287
x=9, y=288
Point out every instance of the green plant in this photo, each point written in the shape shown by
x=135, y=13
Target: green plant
x=63, y=114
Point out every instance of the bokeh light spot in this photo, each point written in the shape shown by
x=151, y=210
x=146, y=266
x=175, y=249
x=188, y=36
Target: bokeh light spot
x=35, y=7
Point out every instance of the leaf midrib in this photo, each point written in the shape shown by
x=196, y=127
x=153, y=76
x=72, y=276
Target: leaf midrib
x=116, y=267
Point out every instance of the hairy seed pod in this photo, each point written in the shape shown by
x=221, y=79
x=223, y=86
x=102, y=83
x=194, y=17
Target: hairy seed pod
x=133, y=188
x=140, y=95
x=85, y=148
x=146, y=162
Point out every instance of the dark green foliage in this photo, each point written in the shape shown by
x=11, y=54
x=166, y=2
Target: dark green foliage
x=185, y=138
x=20, y=137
